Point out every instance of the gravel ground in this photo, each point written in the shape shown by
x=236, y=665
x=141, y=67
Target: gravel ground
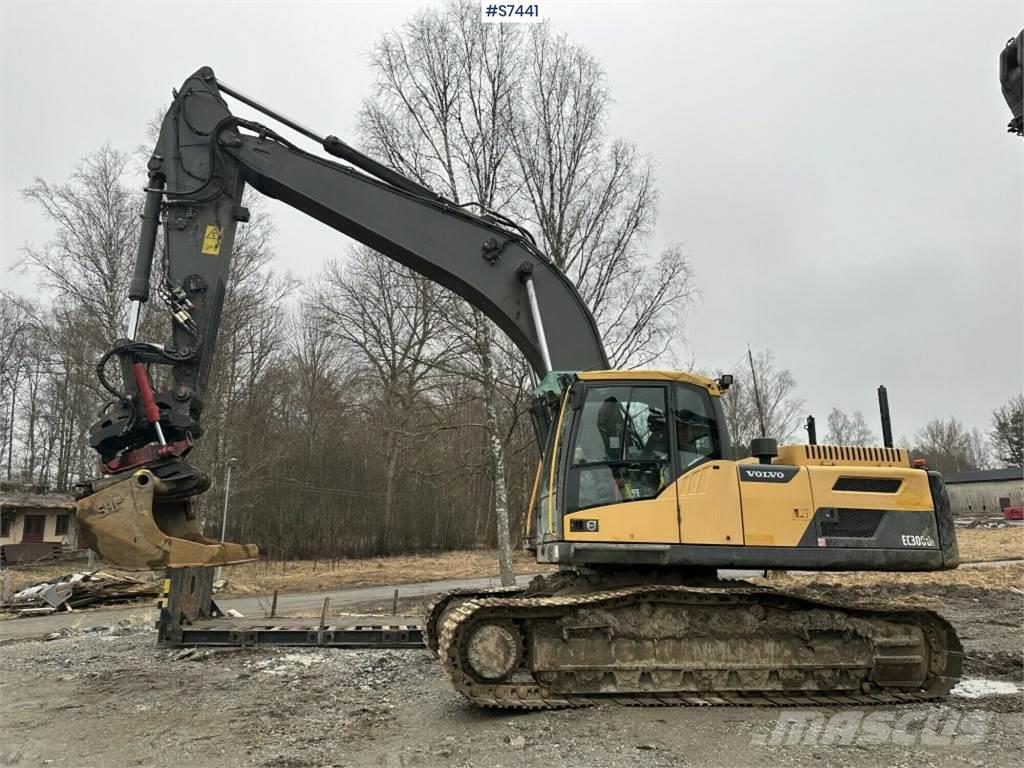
x=109, y=697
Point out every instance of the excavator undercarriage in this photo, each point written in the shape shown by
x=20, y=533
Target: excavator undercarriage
x=560, y=644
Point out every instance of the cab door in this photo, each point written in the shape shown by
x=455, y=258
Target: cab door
x=618, y=470
x=709, y=495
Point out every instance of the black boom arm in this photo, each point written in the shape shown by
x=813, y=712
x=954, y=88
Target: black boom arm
x=201, y=164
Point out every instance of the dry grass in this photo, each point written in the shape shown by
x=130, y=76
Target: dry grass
x=998, y=579
x=976, y=544
x=979, y=544
x=304, y=576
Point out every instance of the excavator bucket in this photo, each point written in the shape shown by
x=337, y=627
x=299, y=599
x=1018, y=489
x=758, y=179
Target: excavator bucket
x=128, y=524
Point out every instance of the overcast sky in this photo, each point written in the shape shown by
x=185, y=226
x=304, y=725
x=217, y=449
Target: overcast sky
x=838, y=172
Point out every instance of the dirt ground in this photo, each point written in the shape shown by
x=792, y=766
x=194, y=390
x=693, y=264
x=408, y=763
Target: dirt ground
x=110, y=698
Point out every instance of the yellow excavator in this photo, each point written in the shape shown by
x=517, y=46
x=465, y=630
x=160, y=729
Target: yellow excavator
x=639, y=497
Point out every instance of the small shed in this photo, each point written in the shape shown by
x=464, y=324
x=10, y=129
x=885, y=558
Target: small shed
x=35, y=523
x=985, y=492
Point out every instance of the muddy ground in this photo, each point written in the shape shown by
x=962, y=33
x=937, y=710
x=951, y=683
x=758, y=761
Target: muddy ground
x=109, y=698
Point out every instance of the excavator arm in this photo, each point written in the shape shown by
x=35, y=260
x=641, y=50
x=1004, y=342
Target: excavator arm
x=1011, y=80
x=141, y=512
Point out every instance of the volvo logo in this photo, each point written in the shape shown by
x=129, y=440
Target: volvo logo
x=767, y=474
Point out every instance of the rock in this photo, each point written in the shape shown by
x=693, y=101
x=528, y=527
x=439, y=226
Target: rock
x=517, y=742
x=54, y=636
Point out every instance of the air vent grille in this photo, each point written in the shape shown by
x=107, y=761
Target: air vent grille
x=868, y=484
x=855, y=453
x=853, y=523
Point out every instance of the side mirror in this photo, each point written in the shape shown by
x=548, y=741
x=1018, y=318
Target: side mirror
x=725, y=381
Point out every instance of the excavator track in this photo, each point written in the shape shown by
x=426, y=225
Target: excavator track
x=696, y=646
x=436, y=610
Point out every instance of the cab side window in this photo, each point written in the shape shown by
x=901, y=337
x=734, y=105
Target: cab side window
x=696, y=427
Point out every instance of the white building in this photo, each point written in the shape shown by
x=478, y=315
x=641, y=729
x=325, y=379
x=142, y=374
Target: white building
x=34, y=523
x=985, y=492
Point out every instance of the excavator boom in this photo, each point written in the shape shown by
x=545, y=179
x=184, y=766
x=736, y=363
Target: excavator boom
x=141, y=513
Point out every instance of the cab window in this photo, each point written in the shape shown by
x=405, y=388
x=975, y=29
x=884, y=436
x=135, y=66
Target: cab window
x=621, y=451
x=697, y=438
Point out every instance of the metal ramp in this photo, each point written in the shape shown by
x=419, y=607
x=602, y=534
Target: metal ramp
x=189, y=616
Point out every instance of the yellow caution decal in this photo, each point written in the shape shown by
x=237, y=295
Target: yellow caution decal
x=211, y=240
x=165, y=593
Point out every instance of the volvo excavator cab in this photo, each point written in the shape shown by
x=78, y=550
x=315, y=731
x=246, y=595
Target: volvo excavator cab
x=639, y=469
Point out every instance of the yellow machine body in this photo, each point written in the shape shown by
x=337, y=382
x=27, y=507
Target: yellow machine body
x=818, y=507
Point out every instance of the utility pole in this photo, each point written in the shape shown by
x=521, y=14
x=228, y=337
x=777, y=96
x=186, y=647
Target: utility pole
x=227, y=492
x=757, y=394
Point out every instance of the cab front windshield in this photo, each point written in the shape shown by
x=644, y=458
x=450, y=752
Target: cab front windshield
x=621, y=451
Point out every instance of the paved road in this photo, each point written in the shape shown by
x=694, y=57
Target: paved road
x=298, y=604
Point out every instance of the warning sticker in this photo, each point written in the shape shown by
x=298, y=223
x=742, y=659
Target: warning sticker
x=211, y=240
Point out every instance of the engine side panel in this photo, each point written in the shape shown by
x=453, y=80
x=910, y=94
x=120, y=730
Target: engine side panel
x=709, y=505
x=777, y=504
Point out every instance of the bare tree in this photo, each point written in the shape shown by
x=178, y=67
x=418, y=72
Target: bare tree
x=847, y=430
x=453, y=109
x=779, y=401
x=15, y=325
x=948, y=446
x=441, y=115
x=593, y=201
x=394, y=323
x=89, y=261
x=1007, y=435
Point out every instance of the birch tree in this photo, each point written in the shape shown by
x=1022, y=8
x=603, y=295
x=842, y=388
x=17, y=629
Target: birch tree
x=593, y=201
x=514, y=122
x=444, y=93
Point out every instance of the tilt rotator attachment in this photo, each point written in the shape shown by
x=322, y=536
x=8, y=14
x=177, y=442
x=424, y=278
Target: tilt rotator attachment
x=141, y=513
x=138, y=524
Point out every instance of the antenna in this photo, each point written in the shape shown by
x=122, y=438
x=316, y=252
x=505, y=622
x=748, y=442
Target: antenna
x=757, y=394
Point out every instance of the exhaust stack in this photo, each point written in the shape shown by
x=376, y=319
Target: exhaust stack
x=883, y=407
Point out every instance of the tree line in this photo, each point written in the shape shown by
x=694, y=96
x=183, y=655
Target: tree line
x=371, y=411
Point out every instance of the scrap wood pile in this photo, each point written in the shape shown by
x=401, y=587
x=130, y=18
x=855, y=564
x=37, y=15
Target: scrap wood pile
x=77, y=590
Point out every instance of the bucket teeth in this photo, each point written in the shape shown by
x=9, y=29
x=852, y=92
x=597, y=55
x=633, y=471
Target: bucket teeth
x=127, y=524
